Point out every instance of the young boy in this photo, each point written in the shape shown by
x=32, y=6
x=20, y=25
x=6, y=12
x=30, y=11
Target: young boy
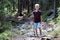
x=37, y=20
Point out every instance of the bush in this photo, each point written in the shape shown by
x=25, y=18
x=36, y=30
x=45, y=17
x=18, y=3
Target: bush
x=5, y=35
x=5, y=26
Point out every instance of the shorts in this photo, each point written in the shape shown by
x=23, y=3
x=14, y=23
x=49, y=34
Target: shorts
x=37, y=25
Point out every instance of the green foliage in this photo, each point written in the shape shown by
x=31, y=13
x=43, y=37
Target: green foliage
x=51, y=23
x=5, y=26
x=57, y=20
x=45, y=15
x=7, y=7
x=5, y=35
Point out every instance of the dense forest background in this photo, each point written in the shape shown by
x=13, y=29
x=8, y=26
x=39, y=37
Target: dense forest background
x=11, y=10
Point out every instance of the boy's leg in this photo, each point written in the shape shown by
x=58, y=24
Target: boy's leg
x=35, y=32
x=40, y=31
x=39, y=26
x=35, y=29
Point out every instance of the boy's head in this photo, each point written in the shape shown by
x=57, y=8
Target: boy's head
x=37, y=6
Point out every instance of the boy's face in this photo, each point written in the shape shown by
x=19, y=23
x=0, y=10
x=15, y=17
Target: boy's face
x=37, y=7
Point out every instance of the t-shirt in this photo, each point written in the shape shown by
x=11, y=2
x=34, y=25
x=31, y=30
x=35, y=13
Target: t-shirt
x=37, y=16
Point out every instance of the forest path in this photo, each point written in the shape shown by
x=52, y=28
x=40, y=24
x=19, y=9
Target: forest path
x=27, y=36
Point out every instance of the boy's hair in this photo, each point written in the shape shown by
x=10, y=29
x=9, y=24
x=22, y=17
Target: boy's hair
x=37, y=5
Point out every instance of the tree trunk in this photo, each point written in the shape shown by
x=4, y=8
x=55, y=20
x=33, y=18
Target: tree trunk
x=55, y=8
x=28, y=6
x=41, y=4
x=20, y=8
x=32, y=5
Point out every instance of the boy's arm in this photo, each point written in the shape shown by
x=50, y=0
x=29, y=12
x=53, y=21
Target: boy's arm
x=41, y=18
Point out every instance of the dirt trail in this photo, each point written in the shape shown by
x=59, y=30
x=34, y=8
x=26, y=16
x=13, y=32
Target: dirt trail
x=27, y=37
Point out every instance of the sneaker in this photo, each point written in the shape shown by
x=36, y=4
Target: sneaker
x=35, y=35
